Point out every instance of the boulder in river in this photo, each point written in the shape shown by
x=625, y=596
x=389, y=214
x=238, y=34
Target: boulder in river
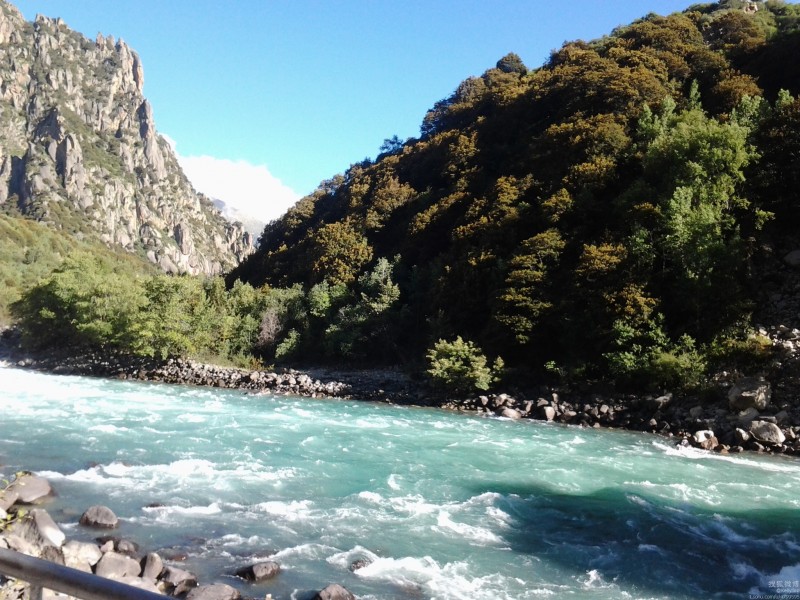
x=99, y=516
x=259, y=571
x=334, y=591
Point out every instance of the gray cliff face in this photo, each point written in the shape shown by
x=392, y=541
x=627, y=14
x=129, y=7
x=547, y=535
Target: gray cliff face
x=79, y=151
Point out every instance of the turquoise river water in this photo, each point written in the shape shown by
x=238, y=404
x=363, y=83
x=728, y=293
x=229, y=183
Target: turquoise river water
x=442, y=505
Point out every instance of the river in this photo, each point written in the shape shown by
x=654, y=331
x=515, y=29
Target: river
x=440, y=505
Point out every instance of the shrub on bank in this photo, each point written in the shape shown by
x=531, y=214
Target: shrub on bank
x=460, y=367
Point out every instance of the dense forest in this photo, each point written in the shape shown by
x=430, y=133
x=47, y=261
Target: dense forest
x=601, y=216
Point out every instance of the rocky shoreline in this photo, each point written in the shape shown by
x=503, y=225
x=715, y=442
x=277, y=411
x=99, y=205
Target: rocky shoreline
x=27, y=528
x=743, y=414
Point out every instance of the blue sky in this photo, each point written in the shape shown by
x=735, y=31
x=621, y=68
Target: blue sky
x=278, y=95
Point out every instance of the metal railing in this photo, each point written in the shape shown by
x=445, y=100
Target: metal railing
x=42, y=574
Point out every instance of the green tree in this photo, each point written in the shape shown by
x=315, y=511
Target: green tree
x=340, y=252
x=459, y=367
x=88, y=301
x=527, y=296
x=365, y=326
x=695, y=164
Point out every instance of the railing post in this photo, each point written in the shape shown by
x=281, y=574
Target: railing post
x=35, y=592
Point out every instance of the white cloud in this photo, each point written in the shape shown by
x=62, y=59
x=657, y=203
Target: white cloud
x=251, y=189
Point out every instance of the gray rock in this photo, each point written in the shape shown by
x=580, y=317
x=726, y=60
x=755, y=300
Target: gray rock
x=259, y=571
x=696, y=412
x=152, y=566
x=742, y=437
x=177, y=581
x=219, y=591
x=99, y=516
x=126, y=547
x=30, y=489
x=766, y=432
x=548, y=412
x=114, y=565
x=748, y=416
x=705, y=439
x=658, y=403
x=81, y=555
x=39, y=529
x=138, y=582
x=334, y=591
x=750, y=392
x=8, y=498
x=793, y=258
x=511, y=413
x=360, y=564
x=18, y=544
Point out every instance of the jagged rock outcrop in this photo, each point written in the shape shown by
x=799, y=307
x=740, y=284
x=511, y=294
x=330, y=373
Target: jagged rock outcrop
x=79, y=150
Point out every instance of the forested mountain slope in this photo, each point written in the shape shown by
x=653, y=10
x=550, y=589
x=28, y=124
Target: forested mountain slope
x=79, y=151
x=603, y=213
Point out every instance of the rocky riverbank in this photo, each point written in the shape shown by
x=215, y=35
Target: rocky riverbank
x=739, y=413
x=27, y=528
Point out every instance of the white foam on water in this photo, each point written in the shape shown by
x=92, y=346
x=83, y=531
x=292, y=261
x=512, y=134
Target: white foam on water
x=93, y=476
x=212, y=509
x=575, y=441
x=348, y=557
x=743, y=570
x=392, y=482
x=293, y=511
x=182, y=474
x=372, y=423
x=682, y=491
x=594, y=580
x=108, y=428
x=484, y=499
x=304, y=551
x=413, y=505
x=652, y=548
x=502, y=518
x=193, y=467
x=479, y=535
x=373, y=497
x=191, y=418
x=279, y=475
x=236, y=540
x=772, y=464
x=425, y=577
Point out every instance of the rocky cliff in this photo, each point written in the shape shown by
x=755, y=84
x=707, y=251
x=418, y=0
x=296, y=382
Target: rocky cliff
x=79, y=151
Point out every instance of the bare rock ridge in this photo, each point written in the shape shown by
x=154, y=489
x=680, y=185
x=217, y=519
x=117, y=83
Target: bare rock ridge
x=79, y=151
